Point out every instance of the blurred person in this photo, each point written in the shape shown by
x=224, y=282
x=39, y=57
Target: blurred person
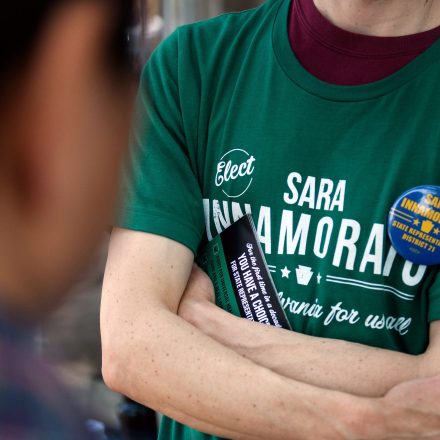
x=315, y=116
x=66, y=84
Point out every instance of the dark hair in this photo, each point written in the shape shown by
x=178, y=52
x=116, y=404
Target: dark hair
x=22, y=22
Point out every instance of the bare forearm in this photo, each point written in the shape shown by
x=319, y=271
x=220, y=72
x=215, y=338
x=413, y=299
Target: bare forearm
x=169, y=365
x=157, y=358
x=327, y=363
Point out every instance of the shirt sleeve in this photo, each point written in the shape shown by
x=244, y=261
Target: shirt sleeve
x=434, y=299
x=161, y=193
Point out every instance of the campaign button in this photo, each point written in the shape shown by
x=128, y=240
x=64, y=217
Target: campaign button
x=414, y=225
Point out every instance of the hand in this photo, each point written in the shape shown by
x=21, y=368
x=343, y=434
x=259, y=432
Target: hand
x=418, y=403
x=199, y=291
x=421, y=394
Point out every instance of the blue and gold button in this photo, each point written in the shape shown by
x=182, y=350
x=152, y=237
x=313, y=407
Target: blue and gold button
x=414, y=225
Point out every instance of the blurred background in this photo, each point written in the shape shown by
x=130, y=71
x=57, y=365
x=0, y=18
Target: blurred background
x=70, y=338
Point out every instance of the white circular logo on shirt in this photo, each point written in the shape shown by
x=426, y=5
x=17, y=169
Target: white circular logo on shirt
x=234, y=172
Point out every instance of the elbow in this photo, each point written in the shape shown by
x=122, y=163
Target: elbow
x=112, y=375
x=120, y=375
x=117, y=363
x=115, y=357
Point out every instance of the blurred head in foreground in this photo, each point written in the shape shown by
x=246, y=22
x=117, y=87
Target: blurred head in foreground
x=66, y=92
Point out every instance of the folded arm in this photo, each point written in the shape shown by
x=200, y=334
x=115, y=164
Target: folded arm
x=160, y=360
x=327, y=363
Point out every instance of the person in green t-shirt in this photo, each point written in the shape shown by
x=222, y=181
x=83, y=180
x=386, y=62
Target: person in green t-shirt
x=231, y=122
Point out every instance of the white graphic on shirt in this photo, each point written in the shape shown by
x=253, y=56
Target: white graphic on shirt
x=272, y=268
x=285, y=272
x=337, y=313
x=313, y=222
x=303, y=275
x=234, y=172
x=338, y=240
x=371, y=286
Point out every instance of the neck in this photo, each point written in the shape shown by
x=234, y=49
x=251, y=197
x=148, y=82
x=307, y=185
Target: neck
x=18, y=295
x=15, y=297
x=382, y=18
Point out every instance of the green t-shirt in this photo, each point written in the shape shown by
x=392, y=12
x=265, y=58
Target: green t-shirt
x=230, y=122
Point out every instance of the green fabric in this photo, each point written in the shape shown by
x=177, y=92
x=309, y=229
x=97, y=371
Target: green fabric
x=318, y=165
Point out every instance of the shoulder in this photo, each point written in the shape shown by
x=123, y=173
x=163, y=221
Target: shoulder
x=206, y=38
x=228, y=28
x=200, y=57
x=228, y=21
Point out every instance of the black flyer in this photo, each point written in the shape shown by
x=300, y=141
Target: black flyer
x=237, y=267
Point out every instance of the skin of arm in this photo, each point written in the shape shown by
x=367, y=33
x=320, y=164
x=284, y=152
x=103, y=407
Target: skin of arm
x=157, y=358
x=317, y=361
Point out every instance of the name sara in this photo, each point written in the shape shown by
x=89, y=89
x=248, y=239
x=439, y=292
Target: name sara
x=316, y=193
